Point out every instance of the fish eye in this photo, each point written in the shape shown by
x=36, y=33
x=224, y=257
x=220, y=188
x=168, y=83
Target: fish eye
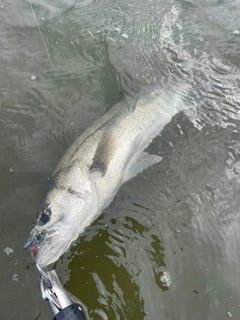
x=44, y=216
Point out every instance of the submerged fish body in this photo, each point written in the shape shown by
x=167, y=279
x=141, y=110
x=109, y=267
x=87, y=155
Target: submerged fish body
x=90, y=173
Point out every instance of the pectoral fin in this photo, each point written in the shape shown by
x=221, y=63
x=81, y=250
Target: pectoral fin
x=103, y=154
x=140, y=162
x=75, y=193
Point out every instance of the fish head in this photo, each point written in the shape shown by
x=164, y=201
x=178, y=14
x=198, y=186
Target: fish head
x=57, y=226
x=46, y=245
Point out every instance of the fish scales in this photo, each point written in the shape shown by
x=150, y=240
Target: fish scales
x=88, y=176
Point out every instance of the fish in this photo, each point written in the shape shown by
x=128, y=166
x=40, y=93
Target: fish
x=110, y=152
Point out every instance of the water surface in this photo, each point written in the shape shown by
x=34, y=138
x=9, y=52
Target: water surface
x=167, y=247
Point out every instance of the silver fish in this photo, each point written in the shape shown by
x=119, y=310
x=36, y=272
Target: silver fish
x=90, y=173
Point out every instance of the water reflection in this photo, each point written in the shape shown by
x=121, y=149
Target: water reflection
x=186, y=227
x=168, y=245
x=133, y=254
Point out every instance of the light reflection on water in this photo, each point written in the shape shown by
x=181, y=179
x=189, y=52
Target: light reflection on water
x=184, y=226
x=167, y=247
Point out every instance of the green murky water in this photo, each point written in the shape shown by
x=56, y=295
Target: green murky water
x=168, y=245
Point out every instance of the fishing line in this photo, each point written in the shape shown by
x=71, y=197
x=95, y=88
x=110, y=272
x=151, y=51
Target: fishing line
x=41, y=36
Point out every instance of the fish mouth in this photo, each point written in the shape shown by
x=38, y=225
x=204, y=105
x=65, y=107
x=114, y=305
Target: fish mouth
x=30, y=242
x=33, y=249
x=33, y=243
x=46, y=245
x=28, y=245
